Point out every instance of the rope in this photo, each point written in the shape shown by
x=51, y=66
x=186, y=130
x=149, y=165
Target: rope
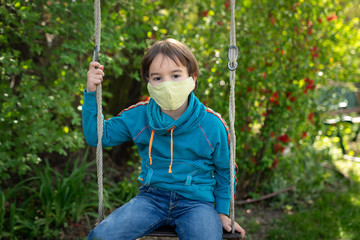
x=232, y=65
x=100, y=127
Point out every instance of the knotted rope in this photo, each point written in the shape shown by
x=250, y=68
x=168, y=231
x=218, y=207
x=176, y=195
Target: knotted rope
x=100, y=127
x=232, y=65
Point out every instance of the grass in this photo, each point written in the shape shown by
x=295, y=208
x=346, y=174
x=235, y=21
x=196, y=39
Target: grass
x=334, y=215
x=329, y=213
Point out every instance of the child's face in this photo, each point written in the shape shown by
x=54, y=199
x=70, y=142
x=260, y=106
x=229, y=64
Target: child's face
x=164, y=69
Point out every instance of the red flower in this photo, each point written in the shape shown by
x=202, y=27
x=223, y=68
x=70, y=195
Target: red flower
x=227, y=4
x=288, y=108
x=309, y=31
x=293, y=9
x=205, y=13
x=245, y=129
x=304, y=135
x=284, y=138
x=296, y=30
x=249, y=89
x=250, y=69
x=331, y=17
x=310, y=85
x=272, y=19
x=264, y=74
x=315, y=55
x=271, y=134
x=219, y=23
x=276, y=95
x=278, y=148
x=319, y=20
x=310, y=117
x=275, y=163
x=252, y=159
x=267, y=64
x=274, y=98
x=263, y=90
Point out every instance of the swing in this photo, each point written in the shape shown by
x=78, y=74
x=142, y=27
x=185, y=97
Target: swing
x=167, y=231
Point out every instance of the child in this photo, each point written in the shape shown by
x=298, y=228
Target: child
x=184, y=147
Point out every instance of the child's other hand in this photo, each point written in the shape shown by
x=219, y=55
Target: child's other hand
x=226, y=223
x=94, y=76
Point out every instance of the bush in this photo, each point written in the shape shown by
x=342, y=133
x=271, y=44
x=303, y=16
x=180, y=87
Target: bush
x=288, y=51
x=41, y=65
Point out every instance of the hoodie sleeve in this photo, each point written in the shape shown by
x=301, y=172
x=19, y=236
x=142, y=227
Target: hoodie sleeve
x=115, y=132
x=221, y=157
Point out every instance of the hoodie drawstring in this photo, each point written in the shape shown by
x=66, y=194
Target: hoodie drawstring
x=150, y=145
x=171, y=149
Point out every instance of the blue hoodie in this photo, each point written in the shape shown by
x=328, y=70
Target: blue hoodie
x=189, y=155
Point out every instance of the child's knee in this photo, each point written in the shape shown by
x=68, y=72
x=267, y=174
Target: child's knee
x=95, y=235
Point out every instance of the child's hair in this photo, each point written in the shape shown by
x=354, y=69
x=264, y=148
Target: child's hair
x=176, y=51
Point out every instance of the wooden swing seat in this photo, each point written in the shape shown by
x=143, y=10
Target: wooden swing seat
x=167, y=231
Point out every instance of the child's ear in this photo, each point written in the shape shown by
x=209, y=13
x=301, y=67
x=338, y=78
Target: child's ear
x=195, y=78
x=195, y=81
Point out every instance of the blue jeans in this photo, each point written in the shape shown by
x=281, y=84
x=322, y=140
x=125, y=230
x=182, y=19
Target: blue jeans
x=152, y=208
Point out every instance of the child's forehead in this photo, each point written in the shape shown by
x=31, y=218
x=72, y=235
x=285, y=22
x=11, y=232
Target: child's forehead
x=168, y=60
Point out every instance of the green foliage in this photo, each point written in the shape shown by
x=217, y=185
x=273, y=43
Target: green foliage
x=2, y=209
x=49, y=202
x=117, y=194
x=43, y=204
x=64, y=195
x=41, y=66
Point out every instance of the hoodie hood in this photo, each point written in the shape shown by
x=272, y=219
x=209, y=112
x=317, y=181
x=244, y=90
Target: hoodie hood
x=162, y=123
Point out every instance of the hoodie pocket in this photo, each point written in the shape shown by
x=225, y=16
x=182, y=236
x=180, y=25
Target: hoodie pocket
x=148, y=176
x=189, y=177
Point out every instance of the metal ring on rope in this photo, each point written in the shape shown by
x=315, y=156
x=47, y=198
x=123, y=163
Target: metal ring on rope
x=232, y=64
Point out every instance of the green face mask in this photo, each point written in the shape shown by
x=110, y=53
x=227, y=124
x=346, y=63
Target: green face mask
x=171, y=95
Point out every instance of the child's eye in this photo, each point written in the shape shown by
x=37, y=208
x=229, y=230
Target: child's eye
x=176, y=76
x=156, y=78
